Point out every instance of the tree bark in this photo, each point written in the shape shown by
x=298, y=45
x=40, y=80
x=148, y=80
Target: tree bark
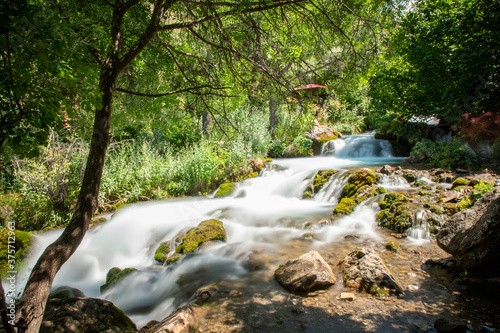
x=32, y=304
x=273, y=115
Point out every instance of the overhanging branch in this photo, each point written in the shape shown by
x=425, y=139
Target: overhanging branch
x=259, y=8
x=190, y=89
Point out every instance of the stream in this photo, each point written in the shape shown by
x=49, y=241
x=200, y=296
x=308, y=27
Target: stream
x=265, y=213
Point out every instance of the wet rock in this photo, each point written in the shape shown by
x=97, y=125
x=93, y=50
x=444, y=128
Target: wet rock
x=84, y=315
x=450, y=196
x=203, y=294
x=392, y=246
x=364, y=270
x=66, y=292
x=207, y=230
x=472, y=236
x=165, y=253
x=146, y=328
x=347, y=296
x=447, y=326
x=114, y=275
x=360, y=186
x=178, y=322
x=308, y=273
x=259, y=261
x=386, y=170
x=320, y=135
x=325, y=222
x=448, y=264
x=351, y=236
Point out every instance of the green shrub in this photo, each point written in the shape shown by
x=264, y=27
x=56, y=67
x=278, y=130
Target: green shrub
x=456, y=154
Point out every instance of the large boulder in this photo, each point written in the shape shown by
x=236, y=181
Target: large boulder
x=364, y=270
x=82, y=315
x=472, y=236
x=308, y=273
x=321, y=134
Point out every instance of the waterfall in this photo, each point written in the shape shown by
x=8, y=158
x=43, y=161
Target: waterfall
x=357, y=146
x=264, y=212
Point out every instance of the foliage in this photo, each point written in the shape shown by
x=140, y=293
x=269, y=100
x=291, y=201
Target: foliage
x=456, y=154
x=480, y=189
x=14, y=248
x=441, y=61
x=302, y=145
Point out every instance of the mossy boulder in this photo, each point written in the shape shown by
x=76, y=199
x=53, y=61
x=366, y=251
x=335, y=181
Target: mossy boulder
x=410, y=177
x=398, y=217
x=459, y=182
x=225, y=190
x=80, y=314
x=66, y=292
x=207, y=230
x=393, y=198
x=392, y=246
x=17, y=244
x=166, y=253
x=114, y=275
x=345, y=207
x=359, y=179
x=321, y=178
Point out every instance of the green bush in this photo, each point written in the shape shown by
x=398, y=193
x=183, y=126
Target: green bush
x=456, y=154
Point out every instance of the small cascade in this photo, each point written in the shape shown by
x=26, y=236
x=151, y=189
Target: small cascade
x=394, y=182
x=358, y=146
x=332, y=190
x=419, y=231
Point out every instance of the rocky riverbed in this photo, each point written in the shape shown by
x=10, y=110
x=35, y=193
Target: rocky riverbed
x=432, y=293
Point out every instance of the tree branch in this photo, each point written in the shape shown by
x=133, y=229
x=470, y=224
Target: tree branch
x=96, y=55
x=170, y=92
x=200, y=20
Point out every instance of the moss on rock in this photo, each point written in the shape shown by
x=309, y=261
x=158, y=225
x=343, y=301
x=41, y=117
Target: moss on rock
x=459, y=182
x=206, y=231
x=114, y=275
x=15, y=243
x=398, y=217
x=162, y=252
x=392, y=246
x=225, y=190
x=393, y=198
x=359, y=179
x=345, y=207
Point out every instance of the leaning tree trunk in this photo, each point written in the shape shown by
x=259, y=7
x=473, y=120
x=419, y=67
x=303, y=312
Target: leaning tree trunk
x=32, y=304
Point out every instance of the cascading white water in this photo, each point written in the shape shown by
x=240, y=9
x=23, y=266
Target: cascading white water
x=264, y=212
x=358, y=146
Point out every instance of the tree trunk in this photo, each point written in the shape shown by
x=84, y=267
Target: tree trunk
x=32, y=304
x=273, y=115
x=206, y=123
